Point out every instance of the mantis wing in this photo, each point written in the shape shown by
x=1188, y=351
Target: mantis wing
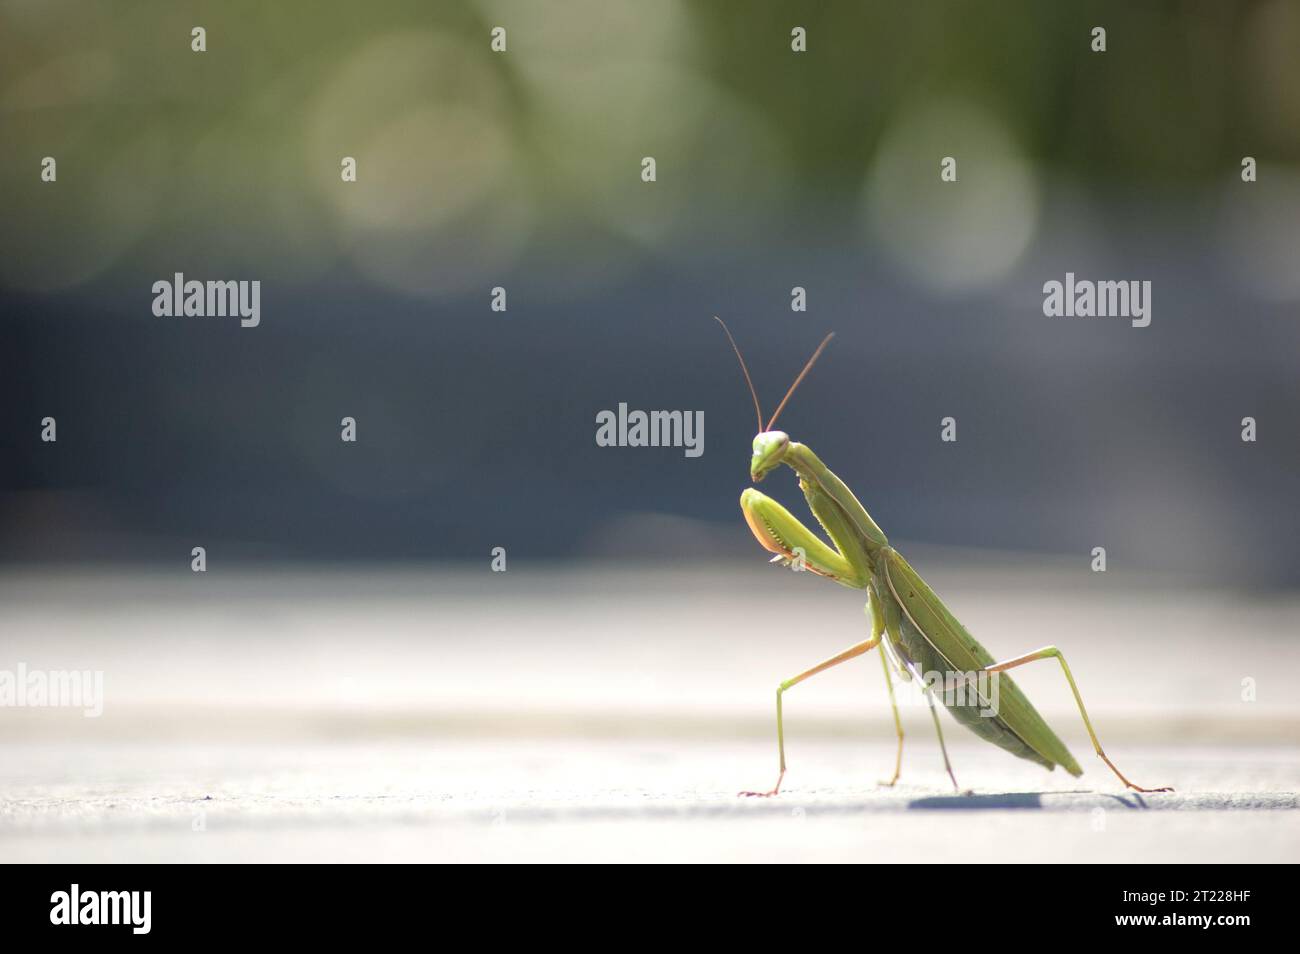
x=960, y=650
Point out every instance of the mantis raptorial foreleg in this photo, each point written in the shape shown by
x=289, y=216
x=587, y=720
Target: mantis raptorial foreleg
x=782, y=533
x=1051, y=652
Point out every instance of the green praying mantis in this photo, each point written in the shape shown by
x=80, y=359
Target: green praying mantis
x=918, y=634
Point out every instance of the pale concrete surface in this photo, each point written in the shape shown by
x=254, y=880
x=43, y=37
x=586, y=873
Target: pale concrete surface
x=610, y=715
x=597, y=800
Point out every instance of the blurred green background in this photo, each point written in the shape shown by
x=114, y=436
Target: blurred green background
x=522, y=169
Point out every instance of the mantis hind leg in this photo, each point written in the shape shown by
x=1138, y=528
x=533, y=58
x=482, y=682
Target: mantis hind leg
x=934, y=714
x=851, y=653
x=891, y=621
x=1051, y=652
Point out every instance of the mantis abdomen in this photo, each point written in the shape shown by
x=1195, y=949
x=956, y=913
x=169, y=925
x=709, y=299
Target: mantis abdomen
x=966, y=703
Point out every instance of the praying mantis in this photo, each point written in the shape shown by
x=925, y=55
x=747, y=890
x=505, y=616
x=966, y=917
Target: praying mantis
x=918, y=634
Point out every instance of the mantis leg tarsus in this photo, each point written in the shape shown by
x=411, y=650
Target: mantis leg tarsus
x=851, y=653
x=1051, y=652
x=776, y=789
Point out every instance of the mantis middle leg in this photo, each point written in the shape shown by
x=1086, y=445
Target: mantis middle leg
x=846, y=563
x=898, y=723
x=877, y=630
x=852, y=652
x=877, y=614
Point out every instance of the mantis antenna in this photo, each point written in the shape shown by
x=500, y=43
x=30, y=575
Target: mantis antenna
x=802, y=374
x=758, y=412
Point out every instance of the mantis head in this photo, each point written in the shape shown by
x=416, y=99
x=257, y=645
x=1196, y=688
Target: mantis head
x=769, y=450
x=769, y=446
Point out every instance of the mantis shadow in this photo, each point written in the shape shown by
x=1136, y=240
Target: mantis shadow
x=999, y=802
x=1133, y=801
x=1015, y=800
